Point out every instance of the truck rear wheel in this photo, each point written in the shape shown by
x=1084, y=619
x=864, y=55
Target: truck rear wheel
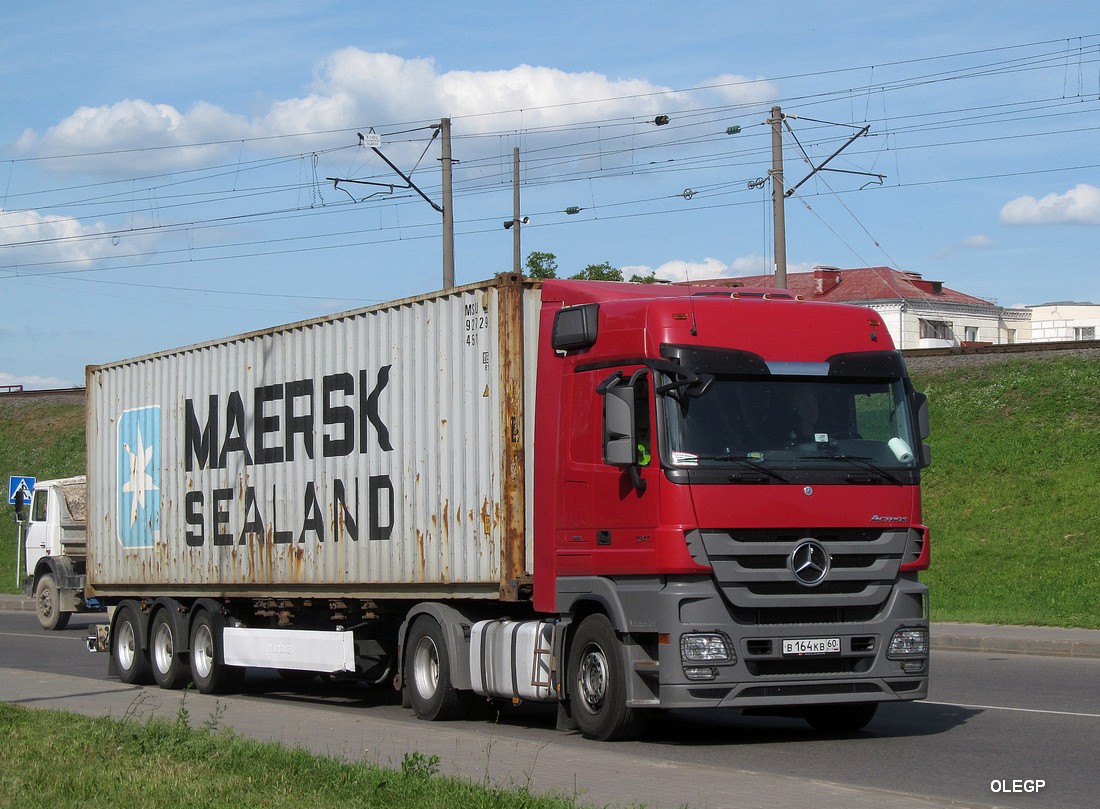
x=169, y=669
x=47, y=602
x=208, y=670
x=598, y=686
x=130, y=659
x=428, y=674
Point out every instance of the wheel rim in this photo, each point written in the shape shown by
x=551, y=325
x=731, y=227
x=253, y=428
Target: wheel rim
x=426, y=668
x=126, y=646
x=163, y=648
x=592, y=677
x=202, y=651
x=45, y=601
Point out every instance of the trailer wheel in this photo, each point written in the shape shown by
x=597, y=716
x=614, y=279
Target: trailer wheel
x=130, y=659
x=598, y=687
x=208, y=671
x=845, y=718
x=428, y=674
x=47, y=602
x=169, y=669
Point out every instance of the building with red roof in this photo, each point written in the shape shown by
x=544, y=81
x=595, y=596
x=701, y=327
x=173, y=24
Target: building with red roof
x=918, y=313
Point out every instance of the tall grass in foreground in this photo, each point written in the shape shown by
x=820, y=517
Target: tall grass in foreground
x=1011, y=497
x=51, y=758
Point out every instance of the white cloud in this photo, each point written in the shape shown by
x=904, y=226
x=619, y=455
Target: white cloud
x=681, y=270
x=735, y=89
x=351, y=88
x=979, y=241
x=32, y=382
x=60, y=240
x=1079, y=206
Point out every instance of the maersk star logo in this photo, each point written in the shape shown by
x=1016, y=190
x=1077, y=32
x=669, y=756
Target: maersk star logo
x=138, y=514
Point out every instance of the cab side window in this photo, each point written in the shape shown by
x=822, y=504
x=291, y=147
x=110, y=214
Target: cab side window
x=38, y=508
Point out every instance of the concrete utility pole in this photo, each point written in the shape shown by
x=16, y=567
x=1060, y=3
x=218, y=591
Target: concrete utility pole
x=516, y=221
x=448, y=207
x=779, y=226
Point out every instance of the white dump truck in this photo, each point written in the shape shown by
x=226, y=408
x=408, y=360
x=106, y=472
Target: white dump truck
x=55, y=542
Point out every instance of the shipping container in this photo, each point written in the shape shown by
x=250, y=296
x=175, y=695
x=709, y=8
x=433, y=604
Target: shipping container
x=377, y=451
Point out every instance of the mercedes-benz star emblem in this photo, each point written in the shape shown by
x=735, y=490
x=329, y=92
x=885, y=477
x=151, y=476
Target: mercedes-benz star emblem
x=809, y=563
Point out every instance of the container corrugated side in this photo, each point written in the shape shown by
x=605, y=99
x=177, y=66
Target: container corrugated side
x=357, y=454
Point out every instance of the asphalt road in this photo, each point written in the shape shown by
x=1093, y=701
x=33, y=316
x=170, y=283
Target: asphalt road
x=990, y=720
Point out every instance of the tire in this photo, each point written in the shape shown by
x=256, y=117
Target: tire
x=209, y=672
x=428, y=674
x=47, y=603
x=169, y=669
x=597, y=684
x=131, y=661
x=839, y=719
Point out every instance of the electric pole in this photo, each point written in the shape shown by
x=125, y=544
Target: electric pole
x=448, y=207
x=779, y=226
x=516, y=222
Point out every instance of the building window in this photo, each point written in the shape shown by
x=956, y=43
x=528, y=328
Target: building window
x=1011, y=336
x=935, y=330
x=1084, y=333
x=971, y=333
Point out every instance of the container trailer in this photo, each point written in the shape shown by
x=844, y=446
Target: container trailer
x=617, y=497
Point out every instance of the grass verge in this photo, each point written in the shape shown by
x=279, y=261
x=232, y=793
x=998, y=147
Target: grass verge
x=159, y=762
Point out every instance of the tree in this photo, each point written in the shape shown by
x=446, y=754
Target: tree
x=646, y=279
x=542, y=265
x=599, y=272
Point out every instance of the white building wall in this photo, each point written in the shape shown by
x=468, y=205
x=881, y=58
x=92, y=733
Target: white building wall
x=1056, y=322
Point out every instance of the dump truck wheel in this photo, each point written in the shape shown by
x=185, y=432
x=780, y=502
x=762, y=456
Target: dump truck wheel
x=47, y=602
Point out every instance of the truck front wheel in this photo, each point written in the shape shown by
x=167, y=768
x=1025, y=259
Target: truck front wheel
x=208, y=670
x=598, y=687
x=131, y=662
x=169, y=669
x=428, y=674
x=47, y=602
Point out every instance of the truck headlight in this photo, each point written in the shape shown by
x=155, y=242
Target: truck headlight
x=706, y=647
x=908, y=642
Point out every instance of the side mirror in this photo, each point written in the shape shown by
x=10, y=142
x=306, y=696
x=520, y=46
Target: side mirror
x=619, y=438
x=20, y=507
x=924, y=427
x=920, y=404
x=620, y=424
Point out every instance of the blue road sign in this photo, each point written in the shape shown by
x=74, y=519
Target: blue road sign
x=20, y=483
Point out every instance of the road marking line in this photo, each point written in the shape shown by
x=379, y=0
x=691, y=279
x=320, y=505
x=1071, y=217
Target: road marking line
x=1018, y=710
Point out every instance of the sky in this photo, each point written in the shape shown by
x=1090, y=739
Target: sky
x=172, y=173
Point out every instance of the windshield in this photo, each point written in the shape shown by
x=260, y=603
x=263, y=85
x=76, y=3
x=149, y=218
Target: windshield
x=784, y=421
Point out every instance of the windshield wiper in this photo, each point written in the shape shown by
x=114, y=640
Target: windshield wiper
x=861, y=462
x=756, y=466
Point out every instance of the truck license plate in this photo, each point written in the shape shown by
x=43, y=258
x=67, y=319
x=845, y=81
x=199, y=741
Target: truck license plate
x=811, y=646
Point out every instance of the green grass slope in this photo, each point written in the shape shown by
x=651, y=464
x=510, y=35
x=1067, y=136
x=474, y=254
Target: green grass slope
x=1010, y=497
x=42, y=437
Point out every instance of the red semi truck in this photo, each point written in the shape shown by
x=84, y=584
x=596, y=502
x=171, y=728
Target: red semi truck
x=616, y=497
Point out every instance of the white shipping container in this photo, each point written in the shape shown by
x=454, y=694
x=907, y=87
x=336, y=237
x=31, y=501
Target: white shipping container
x=375, y=452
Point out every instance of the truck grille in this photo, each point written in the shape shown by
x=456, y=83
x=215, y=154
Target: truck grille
x=752, y=568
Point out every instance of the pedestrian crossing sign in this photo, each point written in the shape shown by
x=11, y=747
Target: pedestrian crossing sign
x=16, y=484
